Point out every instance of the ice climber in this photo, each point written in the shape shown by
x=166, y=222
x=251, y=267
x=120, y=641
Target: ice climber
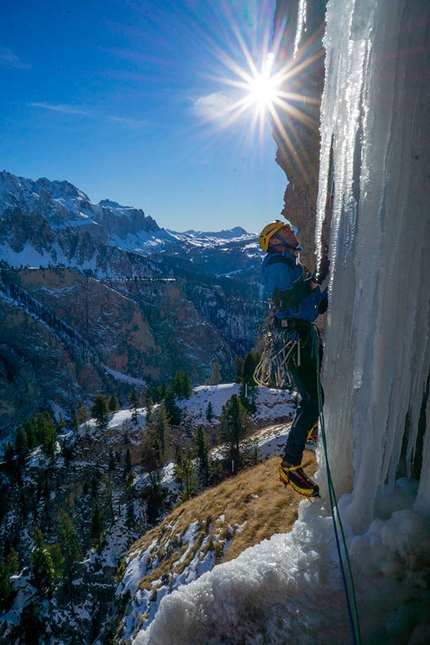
x=297, y=301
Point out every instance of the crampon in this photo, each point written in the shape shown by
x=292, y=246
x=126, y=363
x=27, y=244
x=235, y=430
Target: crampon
x=297, y=478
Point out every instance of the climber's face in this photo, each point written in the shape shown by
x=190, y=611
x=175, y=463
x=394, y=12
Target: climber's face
x=285, y=236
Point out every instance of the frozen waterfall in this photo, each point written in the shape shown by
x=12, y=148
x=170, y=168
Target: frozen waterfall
x=376, y=120
x=375, y=113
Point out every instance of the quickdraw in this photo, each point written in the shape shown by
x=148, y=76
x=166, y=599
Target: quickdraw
x=280, y=346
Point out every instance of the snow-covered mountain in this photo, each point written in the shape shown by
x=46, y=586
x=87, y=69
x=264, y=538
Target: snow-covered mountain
x=46, y=223
x=106, y=287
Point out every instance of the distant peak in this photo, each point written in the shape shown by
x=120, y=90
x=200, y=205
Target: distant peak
x=111, y=204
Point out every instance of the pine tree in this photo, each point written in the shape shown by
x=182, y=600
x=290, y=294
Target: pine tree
x=107, y=497
x=100, y=411
x=113, y=403
x=158, y=428
x=11, y=466
x=31, y=626
x=248, y=392
x=202, y=455
x=82, y=413
x=235, y=426
x=184, y=473
x=248, y=397
x=75, y=422
x=46, y=564
x=133, y=401
x=181, y=386
x=21, y=445
x=127, y=463
x=68, y=537
x=129, y=498
x=7, y=592
x=13, y=562
x=97, y=526
x=248, y=368
x=173, y=411
x=210, y=412
x=238, y=362
x=47, y=434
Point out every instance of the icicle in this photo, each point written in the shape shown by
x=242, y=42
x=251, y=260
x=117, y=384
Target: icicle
x=301, y=22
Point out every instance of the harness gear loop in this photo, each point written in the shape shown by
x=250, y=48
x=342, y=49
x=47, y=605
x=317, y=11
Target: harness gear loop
x=282, y=344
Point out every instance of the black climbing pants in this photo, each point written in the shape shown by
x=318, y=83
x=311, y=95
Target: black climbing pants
x=303, y=367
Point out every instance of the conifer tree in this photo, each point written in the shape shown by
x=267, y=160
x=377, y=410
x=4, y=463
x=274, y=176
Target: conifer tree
x=113, y=403
x=235, y=426
x=202, y=456
x=158, y=428
x=100, y=411
x=46, y=564
x=108, y=497
x=184, y=473
x=75, y=422
x=210, y=412
x=97, y=526
x=248, y=392
x=127, y=463
x=7, y=592
x=129, y=498
x=21, y=445
x=133, y=401
x=129, y=484
x=47, y=433
x=181, y=386
x=173, y=411
x=68, y=538
x=238, y=362
x=82, y=413
x=13, y=562
x=11, y=467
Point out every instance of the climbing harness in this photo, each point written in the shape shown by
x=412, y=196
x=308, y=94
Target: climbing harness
x=337, y=522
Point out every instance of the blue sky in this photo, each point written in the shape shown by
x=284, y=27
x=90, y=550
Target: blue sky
x=123, y=99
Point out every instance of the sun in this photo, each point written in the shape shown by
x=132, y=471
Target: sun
x=263, y=88
x=254, y=87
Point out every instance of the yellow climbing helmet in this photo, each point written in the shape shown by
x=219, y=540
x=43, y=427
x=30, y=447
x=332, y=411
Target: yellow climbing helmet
x=271, y=229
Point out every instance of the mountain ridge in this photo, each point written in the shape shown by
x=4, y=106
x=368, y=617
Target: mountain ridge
x=55, y=222
x=120, y=299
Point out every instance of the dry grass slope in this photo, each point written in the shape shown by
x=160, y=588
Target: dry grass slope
x=239, y=513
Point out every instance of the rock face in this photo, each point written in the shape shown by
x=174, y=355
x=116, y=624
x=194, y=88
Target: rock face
x=298, y=136
x=67, y=337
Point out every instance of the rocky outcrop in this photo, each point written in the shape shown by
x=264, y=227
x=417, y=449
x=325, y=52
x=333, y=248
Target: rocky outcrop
x=298, y=136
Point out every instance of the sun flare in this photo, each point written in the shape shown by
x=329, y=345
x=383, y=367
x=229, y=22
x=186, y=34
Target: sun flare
x=254, y=87
x=263, y=88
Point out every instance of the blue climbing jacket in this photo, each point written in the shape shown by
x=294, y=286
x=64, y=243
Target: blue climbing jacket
x=288, y=284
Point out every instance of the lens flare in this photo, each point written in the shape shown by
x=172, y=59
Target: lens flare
x=253, y=85
x=263, y=90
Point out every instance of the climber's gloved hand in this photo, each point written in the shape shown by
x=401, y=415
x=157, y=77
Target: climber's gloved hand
x=322, y=272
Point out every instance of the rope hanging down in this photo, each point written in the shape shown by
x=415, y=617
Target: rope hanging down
x=349, y=591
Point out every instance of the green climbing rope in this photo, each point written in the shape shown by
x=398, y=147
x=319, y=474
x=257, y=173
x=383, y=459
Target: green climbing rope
x=349, y=592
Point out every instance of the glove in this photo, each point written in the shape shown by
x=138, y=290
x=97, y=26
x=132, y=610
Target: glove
x=322, y=272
